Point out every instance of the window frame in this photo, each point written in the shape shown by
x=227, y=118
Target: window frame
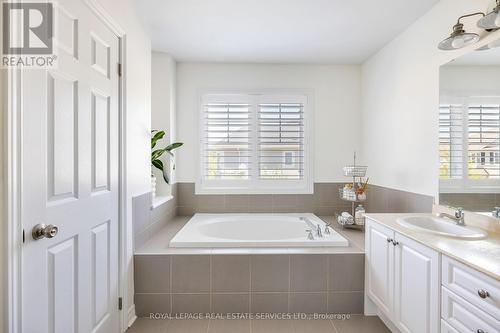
x=465, y=184
x=254, y=185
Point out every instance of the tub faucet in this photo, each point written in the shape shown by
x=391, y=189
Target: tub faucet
x=318, y=232
x=310, y=234
x=459, y=216
x=327, y=228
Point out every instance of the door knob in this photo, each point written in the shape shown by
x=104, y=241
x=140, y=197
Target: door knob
x=44, y=231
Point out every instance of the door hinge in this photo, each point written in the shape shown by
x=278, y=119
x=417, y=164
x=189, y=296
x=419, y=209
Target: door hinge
x=119, y=69
x=120, y=303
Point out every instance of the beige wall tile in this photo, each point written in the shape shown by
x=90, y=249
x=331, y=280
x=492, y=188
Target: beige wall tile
x=231, y=273
x=270, y=273
x=308, y=302
x=190, y=303
x=145, y=304
x=230, y=303
x=346, y=302
x=151, y=274
x=190, y=273
x=269, y=302
x=346, y=272
x=308, y=272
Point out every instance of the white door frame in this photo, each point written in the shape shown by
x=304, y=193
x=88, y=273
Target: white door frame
x=13, y=238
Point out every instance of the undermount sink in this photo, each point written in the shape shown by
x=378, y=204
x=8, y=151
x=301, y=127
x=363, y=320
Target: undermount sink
x=442, y=226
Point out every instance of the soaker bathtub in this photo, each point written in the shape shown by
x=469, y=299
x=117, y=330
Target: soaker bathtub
x=255, y=230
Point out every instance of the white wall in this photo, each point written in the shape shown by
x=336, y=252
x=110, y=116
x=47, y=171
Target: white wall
x=336, y=103
x=163, y=77
x=479, y=79
x=400, y=92
x=138, y=115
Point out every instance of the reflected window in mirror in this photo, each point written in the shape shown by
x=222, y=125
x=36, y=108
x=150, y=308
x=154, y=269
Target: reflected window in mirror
x=469, y=131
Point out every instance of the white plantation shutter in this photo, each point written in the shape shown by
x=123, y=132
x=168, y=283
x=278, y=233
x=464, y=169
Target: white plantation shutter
x=451, y=133
x=228, y=148
x=254, y=143
x=281, y=141
x=483, y=149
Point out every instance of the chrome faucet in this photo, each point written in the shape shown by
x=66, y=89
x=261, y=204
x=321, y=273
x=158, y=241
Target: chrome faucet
x=459, y=216
x=327, y=228
x=318, y=232
x=309, y=234
x=496, y=212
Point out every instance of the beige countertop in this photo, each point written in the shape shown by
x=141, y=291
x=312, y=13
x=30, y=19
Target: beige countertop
x=482, y=255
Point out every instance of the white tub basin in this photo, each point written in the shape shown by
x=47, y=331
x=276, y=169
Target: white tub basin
x=443, y=227
x=253, y=230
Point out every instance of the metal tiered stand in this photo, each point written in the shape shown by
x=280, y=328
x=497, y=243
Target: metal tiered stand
x=357, y=172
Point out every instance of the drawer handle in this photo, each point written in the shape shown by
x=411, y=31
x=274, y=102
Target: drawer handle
x=483, y=294
x=389, y=240
x=481, y=331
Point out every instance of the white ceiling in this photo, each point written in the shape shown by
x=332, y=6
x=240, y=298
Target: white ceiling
x=277, y=31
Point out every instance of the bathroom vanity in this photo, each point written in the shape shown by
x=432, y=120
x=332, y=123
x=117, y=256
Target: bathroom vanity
x=427, y=282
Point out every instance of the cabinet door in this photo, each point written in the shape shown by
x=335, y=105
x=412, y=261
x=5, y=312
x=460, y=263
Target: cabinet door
x=416, y=288
x=379, y=265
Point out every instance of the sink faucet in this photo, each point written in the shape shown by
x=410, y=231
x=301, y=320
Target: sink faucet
x=459, y=216
x=496, y=212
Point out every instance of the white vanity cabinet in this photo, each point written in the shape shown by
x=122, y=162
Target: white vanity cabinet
x=403, y=279
x=380, y=265
x=470, y=300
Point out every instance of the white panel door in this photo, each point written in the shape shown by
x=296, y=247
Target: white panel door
x=380, y=265
x=70, y=179
x=416, y=291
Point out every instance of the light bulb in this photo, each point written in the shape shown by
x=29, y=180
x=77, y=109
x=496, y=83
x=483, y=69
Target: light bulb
x=458, y=43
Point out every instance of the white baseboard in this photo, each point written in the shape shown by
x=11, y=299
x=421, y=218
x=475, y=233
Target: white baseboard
x=131, y=315
x=387, y=322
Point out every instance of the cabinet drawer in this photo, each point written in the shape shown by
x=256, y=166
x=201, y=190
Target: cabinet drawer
x=469, y=283
x=465, y=317
x=447, y=328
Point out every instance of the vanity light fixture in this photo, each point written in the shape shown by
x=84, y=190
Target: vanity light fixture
x=491, y=21
x=489, y=46
x=459, y=37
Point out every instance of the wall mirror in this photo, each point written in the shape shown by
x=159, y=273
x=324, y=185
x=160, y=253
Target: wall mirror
x=469, y=131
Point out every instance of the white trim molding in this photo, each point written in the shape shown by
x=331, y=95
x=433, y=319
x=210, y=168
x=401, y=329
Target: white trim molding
x=11, y=88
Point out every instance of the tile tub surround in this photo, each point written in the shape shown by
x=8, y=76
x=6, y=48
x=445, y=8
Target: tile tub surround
x=148, y=221
x=325, y=201
x=243, y=280
x=241, y=283
x=479, y=202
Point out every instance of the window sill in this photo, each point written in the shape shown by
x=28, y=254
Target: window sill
x=160, y=200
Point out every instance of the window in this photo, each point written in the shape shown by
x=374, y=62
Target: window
x=254, y=143
x=469, y=144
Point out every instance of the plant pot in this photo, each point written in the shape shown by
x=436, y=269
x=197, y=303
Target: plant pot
x=153, y=186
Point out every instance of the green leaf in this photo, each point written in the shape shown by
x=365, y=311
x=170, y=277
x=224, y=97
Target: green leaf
x=156, y=154
x=159, y=165
x=173, y=146
x=158, y=136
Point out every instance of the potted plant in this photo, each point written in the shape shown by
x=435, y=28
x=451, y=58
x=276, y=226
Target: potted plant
x=157, y=153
